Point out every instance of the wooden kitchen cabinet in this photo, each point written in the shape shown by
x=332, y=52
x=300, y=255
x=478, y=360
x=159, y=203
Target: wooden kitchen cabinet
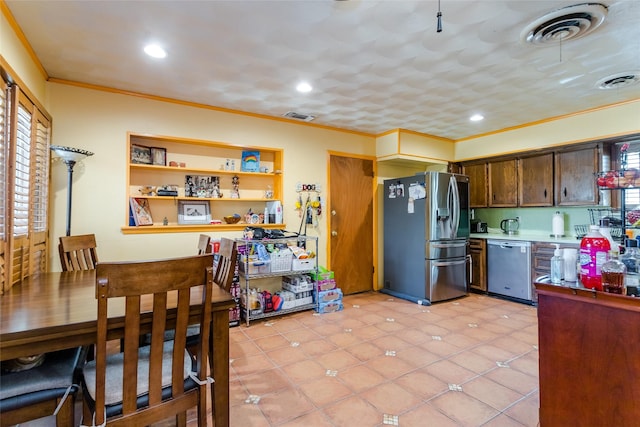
x=503, y=183
x=541, y=253
x=588, y=351
x=478, y=249
x=477, y=184
x=575, y=177
x=535, y=180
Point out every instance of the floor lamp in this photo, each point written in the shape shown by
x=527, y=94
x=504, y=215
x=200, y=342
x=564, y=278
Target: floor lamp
x=70, y=156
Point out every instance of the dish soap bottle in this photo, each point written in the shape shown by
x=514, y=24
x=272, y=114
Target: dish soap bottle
x=557, y=266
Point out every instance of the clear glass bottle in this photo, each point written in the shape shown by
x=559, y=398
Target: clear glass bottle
x=630, y=259
x=613, y=274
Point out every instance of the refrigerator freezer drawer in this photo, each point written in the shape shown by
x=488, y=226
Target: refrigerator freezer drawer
x=448, y=279
x=446, y=249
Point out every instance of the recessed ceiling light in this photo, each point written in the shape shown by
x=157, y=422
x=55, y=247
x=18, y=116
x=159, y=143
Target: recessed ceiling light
x=304, y=87
x=476, y=117
x=155, y=51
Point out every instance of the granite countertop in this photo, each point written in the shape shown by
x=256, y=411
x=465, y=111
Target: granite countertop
x=525, y=235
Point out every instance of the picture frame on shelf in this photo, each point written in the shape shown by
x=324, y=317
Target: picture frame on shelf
x=159, y=156
x=141, y=154
x=140, y=210
x=193, y=212
x=250, y=161
x=204, y=186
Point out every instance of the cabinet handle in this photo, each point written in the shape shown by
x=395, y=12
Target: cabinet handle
x=545, y=193
x=565, y=191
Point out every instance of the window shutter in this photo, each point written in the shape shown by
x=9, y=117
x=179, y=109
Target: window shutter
x=4, y=137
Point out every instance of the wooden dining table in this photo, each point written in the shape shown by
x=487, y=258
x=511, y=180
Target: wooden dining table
x=54, y=311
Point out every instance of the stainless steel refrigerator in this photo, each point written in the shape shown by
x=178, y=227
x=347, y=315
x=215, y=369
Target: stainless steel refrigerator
x=426, y=237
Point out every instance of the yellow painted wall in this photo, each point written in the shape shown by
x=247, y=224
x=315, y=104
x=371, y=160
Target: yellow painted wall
x=623, y=119
x=13, y=53
x=98, y=121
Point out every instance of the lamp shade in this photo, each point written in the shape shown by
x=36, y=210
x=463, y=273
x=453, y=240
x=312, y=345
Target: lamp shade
x=70, y=154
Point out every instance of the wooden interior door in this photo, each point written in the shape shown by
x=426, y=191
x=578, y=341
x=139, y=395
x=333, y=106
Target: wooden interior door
x=351, y=226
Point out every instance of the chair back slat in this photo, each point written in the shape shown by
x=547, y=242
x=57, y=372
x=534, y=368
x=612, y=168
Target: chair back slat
x=78, y=252
x=226, y=265
x=159, y=296
x=204, y=245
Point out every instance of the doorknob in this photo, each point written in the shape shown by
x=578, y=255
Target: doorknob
x=334, y=233
x=333, y=212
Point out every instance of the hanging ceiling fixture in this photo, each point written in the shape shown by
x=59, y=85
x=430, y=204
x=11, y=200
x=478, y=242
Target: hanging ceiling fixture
x=571, y=22
x=439, y=19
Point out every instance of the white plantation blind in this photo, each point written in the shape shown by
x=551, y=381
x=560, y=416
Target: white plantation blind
x=4, y=137
x=40, y=181
x=632, y=196
x=22, y=173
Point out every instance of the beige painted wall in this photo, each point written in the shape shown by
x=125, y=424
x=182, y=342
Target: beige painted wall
x=13, y=52
x=623, y=119
x=99, y=121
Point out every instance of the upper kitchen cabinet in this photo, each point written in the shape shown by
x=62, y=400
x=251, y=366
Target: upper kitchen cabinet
x=575, y=172
x=535, y=185
x=477, y=184
x=503, y=183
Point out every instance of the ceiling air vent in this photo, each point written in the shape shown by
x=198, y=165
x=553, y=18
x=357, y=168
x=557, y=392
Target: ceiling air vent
x=298, y=116
x=620, y=80
x=568, y=23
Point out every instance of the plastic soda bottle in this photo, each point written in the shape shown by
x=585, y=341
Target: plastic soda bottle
x=594, y=248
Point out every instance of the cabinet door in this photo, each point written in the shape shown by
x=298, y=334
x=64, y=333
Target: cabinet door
x=503, y=184
x=478, y=264
x=477, y=184
x=575, y=177
x=535, y=185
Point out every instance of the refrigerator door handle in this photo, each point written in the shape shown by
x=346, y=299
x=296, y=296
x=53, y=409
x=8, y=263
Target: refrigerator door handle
x=447, y=263
x=456, y=244
x=455, y=206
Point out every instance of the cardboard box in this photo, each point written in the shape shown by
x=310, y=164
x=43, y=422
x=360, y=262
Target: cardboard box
x=322, y=274
x=304, y=301
x=330, y=295
x=329, y=307
x=297, y=288
x=325, y=285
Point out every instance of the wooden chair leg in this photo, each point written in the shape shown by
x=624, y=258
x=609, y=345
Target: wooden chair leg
x=181, y=419
x=65, y=416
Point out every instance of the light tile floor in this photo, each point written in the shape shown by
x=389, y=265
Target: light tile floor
x=383, y=361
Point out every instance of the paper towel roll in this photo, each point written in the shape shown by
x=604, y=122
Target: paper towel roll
x=557, y=224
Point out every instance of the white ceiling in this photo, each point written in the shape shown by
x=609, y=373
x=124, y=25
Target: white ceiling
x=374, y=65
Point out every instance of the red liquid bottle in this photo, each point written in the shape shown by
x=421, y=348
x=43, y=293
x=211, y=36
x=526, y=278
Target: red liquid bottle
x=594, y=248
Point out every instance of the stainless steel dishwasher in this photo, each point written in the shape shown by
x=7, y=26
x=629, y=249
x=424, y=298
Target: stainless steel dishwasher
x=509, y=268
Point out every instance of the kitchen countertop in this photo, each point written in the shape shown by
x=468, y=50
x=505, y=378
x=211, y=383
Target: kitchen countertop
x=525, y=235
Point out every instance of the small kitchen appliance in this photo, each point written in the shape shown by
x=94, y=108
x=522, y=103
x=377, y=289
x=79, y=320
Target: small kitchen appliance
x=478, y=226
x=509, y=226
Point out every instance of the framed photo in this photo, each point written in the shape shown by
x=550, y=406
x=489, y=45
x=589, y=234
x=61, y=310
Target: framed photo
x=193, y=212
x=250, y=161
x=202, y=186
x=140, y=210
x=159, y=156
x=141, y=154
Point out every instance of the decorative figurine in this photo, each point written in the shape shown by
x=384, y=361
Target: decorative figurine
x=235, y=182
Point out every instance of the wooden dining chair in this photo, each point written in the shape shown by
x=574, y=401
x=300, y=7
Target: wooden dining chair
x=226, y=263
x=78, y=252
x=39, y=391
x=204, y=245
x=151, y=383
